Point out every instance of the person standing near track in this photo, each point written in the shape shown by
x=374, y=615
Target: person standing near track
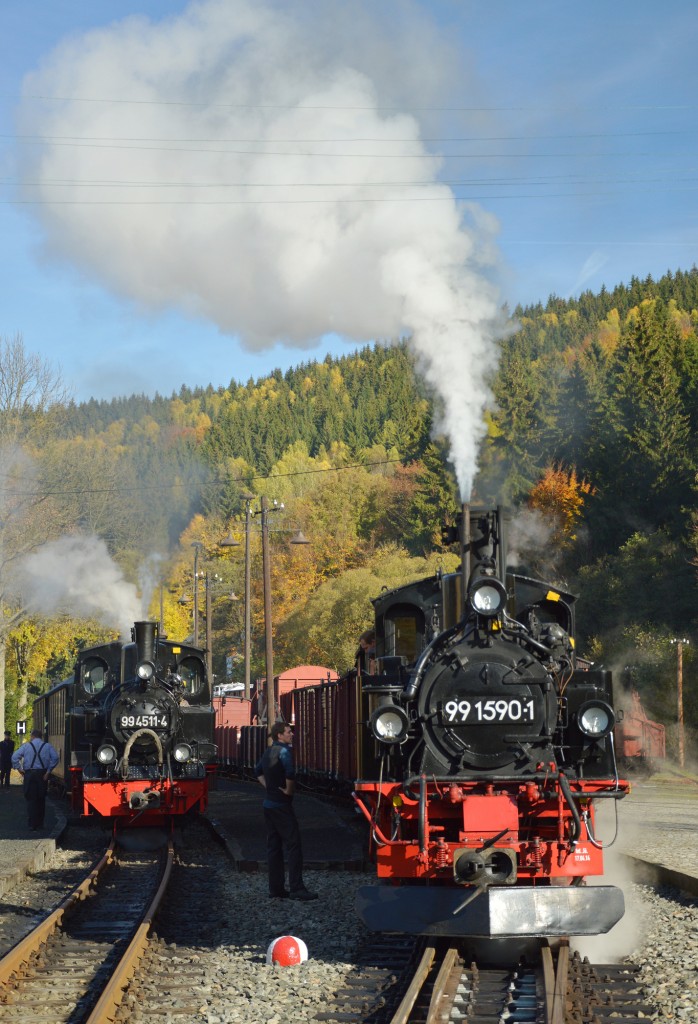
x=6, y=748
x=276, y=773
x=35, y=760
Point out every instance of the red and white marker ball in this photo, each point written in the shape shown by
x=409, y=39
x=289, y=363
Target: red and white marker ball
x=286, y=951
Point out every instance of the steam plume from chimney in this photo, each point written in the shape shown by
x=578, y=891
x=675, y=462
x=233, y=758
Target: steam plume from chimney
x=254, y=163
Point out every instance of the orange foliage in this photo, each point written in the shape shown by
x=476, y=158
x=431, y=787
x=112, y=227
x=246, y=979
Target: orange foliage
x=560, y=495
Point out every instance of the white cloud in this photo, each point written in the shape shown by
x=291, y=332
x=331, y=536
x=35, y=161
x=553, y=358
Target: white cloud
x=235, y=103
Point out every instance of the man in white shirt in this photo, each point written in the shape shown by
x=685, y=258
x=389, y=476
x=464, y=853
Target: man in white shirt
x=35, y=760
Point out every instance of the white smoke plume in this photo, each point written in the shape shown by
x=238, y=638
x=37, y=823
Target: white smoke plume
x=254, y=163
x=77, y=575
x=149, y=578
x=528, y=538
x=623, y=939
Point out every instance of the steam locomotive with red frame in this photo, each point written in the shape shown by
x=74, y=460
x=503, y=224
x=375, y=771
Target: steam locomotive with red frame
x=133, y=727
x=479, y=752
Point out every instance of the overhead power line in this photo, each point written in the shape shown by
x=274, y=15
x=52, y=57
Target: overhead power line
x=177, y=485
x=424, y=155
x=377, y=107
x=326, y=141
x=315, y=202
x=480, y=182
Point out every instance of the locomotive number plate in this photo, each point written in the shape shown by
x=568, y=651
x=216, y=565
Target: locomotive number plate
x=487, y=711
x=144, y=722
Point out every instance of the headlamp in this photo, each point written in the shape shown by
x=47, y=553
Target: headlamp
x=182, y=752
x=145, y=670
x=595, y=719
x=389, y=724
x=106, y=754
x=487, y=596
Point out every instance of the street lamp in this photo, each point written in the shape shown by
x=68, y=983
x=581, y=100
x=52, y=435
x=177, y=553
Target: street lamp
x=185, y=599
x=230, y=541
x=270, y=696
x=679, y=694
x=197, y=545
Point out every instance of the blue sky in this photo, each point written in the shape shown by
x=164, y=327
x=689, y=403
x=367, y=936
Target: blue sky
x=181, y=190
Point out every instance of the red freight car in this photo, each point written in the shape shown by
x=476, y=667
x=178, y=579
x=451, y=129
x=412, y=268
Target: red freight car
x=640, y=741
x=239, y=738
x=301, y=676
x=326, y=719
x=232, y=713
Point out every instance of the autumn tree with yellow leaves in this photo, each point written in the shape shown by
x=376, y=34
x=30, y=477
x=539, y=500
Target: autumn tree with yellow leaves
x=560, y=495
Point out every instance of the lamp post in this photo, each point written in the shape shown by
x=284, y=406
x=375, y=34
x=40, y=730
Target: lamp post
x=679, y=695
x=270, y=695
x=266, y=580
x=270, y=685
x=197, y=545
x=230, y=541
x=263, y=511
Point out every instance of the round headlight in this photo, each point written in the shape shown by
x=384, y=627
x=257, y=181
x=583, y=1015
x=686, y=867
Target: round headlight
x=106, y=754
x=487, y=596
x=145, y=670
x=595, y=719
x=389, y=724
x=182, y=752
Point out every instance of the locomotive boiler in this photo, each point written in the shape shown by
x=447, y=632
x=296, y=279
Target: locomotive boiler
x=486, y=751
x=134, y=729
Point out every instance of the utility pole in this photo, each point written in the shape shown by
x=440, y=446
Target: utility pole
x=230, y=542
x=248, y=615
x=268, y=697
x=197, y=545
x=269, y=694
x=209, y=631
x=679, y=697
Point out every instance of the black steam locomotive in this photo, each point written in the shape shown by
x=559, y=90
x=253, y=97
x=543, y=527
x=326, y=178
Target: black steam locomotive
x=478, y=746
x=134, y=729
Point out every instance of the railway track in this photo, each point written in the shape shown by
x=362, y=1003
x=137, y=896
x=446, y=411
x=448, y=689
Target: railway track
x=435, y=983
x=179, y=975
x=75, y=965
x=31, y=899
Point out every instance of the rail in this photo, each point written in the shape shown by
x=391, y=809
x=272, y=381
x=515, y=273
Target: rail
x=115, y=989
x=15, y=958
x=106, y=938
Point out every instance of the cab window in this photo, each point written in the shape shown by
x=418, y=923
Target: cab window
x=404, y=633
x=193, y=675
x=94, y=675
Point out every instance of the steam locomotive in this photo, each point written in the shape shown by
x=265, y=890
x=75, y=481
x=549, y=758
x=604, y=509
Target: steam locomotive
x=134, y=729
x=478, y=747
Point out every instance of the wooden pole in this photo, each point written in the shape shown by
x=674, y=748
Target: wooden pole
x=270, y=696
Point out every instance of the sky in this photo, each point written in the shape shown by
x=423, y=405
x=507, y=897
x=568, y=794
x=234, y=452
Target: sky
x=194, y=193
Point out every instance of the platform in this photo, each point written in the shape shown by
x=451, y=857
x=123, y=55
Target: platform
x=333, y=836
x=22, y=851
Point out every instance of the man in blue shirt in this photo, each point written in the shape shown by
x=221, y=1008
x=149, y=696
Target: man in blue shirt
x=35, y=761
x=276, y=773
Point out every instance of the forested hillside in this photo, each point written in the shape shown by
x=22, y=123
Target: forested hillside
x=590, y=436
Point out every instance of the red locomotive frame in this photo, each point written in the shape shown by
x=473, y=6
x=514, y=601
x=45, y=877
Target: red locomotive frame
x=119, y=799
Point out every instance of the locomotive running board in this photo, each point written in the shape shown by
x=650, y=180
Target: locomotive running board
x=498, y=912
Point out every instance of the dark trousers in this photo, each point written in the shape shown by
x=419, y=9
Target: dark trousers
x=283, y=833
x=35, y=788
x=5, y=770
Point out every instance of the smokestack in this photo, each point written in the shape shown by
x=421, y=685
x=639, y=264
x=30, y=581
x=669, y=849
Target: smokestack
x=465, y=552
x=144, y=634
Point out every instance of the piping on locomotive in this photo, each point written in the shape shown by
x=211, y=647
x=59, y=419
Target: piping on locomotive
x=134, y=729
x=490, y=748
